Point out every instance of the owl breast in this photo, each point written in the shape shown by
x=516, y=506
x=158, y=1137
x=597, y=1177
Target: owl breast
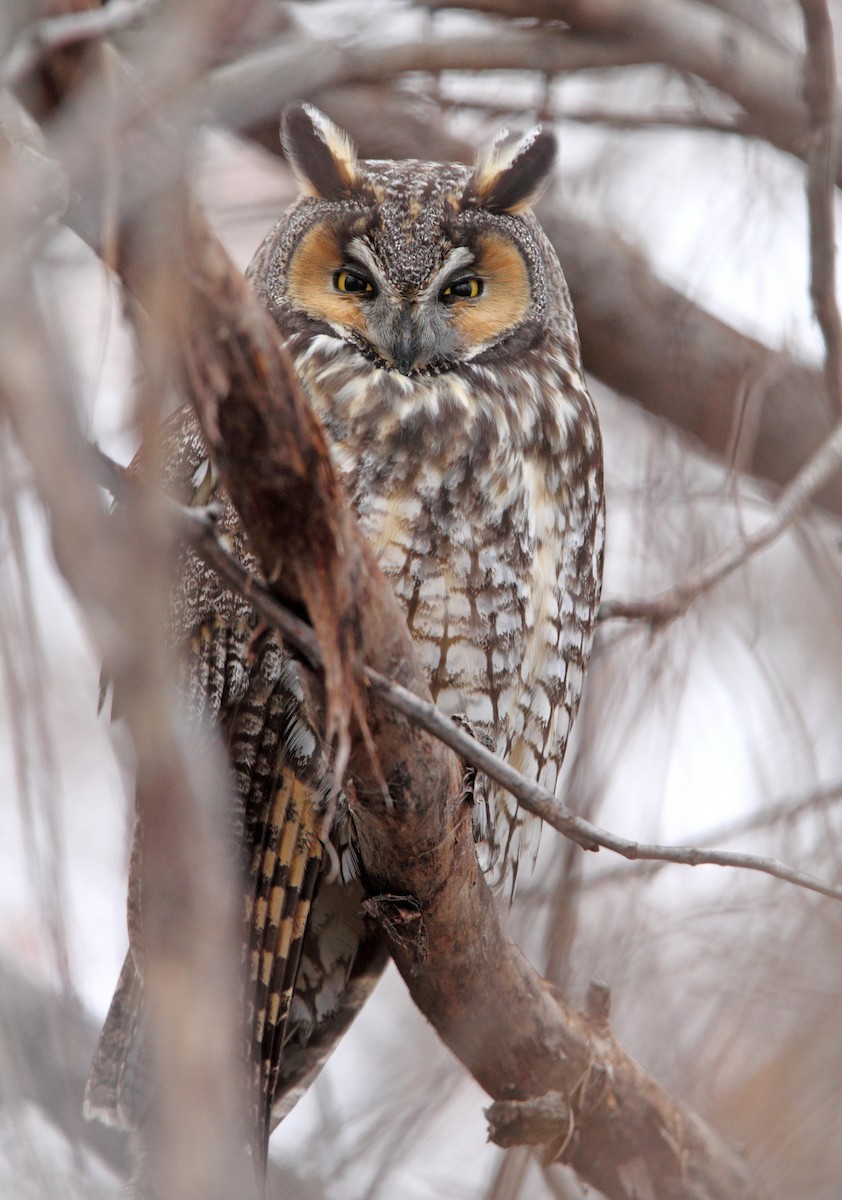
x=480, y=491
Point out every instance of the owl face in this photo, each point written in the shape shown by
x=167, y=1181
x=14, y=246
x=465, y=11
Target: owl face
x=420, y=266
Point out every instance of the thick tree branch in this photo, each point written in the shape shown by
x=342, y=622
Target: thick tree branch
x=45, y=36
x=190, y=922
x=118, y=574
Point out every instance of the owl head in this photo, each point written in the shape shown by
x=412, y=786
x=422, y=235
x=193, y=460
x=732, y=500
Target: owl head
x=420, y=266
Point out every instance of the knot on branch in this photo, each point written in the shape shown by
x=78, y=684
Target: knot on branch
x=403, y=921
x=540, y=1121
x=597, y=1008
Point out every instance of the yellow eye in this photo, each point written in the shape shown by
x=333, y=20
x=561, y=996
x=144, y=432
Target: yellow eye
x=351, y=281
x=462, y=289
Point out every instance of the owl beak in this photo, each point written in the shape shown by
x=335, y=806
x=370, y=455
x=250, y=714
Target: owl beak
x=406, y=347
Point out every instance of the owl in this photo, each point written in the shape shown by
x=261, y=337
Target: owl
x=429, y=323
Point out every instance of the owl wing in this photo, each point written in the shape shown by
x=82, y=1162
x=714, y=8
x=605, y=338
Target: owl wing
x=283, y=791
x=243, y=681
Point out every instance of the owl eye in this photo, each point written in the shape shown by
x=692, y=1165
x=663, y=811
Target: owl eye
x=462, y=289
x=351, y=281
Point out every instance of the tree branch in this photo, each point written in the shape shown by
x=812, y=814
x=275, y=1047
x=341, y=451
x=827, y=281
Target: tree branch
x=783, y=811
x=190, y=921
x=49, y=34
x=820, y=94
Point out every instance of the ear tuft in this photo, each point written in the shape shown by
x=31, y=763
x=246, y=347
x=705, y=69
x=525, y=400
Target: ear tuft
x=322, y=156
x=510, y=176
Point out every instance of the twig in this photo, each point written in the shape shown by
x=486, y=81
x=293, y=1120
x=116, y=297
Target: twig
x=787, y=810
x=663, y=608
x=663, y=118
x=543, y=804
x=53, y=33
x=820, y=97
x=197, y=526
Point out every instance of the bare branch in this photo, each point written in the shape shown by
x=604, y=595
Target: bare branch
x=119, y=577
x=546, y=806
x=786, y=811
x=612, y=118
x=689, y=119
x=70, y=29
x=674, y=602
x=189, y=917
x=820, y=93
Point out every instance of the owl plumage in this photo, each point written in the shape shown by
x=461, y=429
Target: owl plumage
x=430, y=325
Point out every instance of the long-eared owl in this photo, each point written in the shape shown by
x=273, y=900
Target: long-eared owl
x=429, y=322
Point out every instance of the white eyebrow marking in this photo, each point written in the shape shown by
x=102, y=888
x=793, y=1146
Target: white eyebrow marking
x=362, y=252
x=459, y=256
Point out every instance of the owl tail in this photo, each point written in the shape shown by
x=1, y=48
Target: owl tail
x=286, y=865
